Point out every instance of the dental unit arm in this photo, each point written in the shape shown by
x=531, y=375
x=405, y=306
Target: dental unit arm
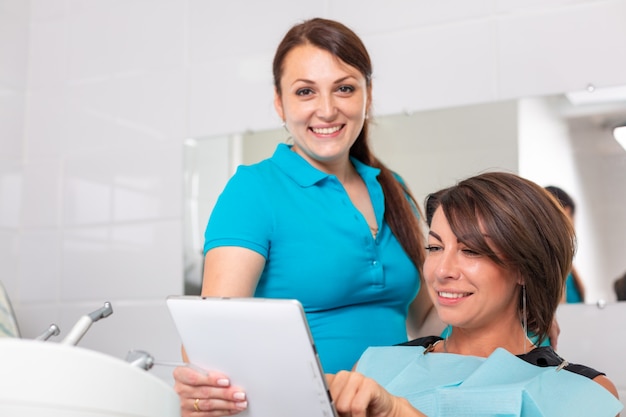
x=52, y=330
x=84, y=323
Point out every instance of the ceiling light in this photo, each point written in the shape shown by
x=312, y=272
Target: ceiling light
x=595, y=95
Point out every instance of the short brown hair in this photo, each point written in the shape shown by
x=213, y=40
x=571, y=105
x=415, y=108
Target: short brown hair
x=528, y=232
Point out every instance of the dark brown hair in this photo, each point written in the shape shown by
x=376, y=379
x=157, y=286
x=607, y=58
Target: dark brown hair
x=565, y=199
x=343, y=43
x=528, y=232
x=568, y=202
x=620, y=288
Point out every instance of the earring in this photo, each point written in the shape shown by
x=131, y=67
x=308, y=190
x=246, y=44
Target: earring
x=524, y=316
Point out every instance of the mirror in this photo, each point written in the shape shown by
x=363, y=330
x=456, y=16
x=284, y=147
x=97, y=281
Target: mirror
x=548, y=140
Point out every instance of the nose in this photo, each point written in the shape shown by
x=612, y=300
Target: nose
x=446, y=265
x=327, y=107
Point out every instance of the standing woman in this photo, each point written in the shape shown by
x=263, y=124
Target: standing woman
x=322, y=221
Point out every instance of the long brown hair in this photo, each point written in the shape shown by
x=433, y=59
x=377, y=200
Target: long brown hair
x=528, y=232
x=401, y=209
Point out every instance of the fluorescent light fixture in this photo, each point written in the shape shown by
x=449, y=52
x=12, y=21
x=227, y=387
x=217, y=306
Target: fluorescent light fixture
x=597, y=95
x=619, y=133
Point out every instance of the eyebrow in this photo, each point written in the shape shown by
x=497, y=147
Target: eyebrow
x=338, y=81
x=435, y=235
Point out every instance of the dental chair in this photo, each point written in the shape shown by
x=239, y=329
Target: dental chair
x=8, y=322
x=593, y=335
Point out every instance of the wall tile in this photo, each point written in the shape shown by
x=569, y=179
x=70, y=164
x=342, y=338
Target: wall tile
x=125, y=261
x=41, y=197
x=552, y=52
x=117, y=36
x=536, y=6
x=96, y=7
x=134, y=109
x=47, y=10
x=47, y=126
x=148, y=184
x=149, y=35
x=48, y=53
x=92, y=123
x=151, y=106
x=11, y=189
x=230, y=93
x=368, y=18
x=240, y=28
x=14, y=15
x=40, y=266
x=93, y=42
x=9, y=263
x=458, y=69
x=87, y=199
x=123, y=184
x=12, y=105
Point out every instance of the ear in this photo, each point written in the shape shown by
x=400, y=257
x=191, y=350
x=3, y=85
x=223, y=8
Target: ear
x=278, y=105
x=368, y=103
x=520, y=279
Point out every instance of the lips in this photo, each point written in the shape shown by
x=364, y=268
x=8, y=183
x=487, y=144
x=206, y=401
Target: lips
x=453, y=295
x=326, y=130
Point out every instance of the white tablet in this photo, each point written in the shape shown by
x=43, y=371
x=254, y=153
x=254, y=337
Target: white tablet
x=263, y=345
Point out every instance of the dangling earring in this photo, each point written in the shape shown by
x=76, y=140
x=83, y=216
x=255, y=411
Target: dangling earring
x=524, y=316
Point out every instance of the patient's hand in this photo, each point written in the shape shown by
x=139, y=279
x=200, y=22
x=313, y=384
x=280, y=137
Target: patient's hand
x=355, y=395
x=207, y=395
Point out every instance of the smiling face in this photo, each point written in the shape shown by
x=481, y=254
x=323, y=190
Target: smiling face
x=323, y=102
x=468, y=289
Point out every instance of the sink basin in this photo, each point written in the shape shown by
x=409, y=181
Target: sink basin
x=53, y=380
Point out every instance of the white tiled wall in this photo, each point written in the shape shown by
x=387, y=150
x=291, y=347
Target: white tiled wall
x=97, y=97
x=14, y=19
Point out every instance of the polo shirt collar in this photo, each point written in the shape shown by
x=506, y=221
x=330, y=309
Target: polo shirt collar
x=306, y=175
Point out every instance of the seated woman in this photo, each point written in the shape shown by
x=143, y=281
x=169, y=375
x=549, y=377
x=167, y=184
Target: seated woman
x=499, y=250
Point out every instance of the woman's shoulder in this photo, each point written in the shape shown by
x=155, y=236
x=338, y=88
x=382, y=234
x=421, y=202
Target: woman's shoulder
x=545, y=356
x=264, y=171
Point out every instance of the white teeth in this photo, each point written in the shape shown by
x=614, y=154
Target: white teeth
x=451, y=294
x=326, y=130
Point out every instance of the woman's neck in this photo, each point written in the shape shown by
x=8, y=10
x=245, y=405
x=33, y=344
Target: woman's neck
x=341, y=167
x=483, y=342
